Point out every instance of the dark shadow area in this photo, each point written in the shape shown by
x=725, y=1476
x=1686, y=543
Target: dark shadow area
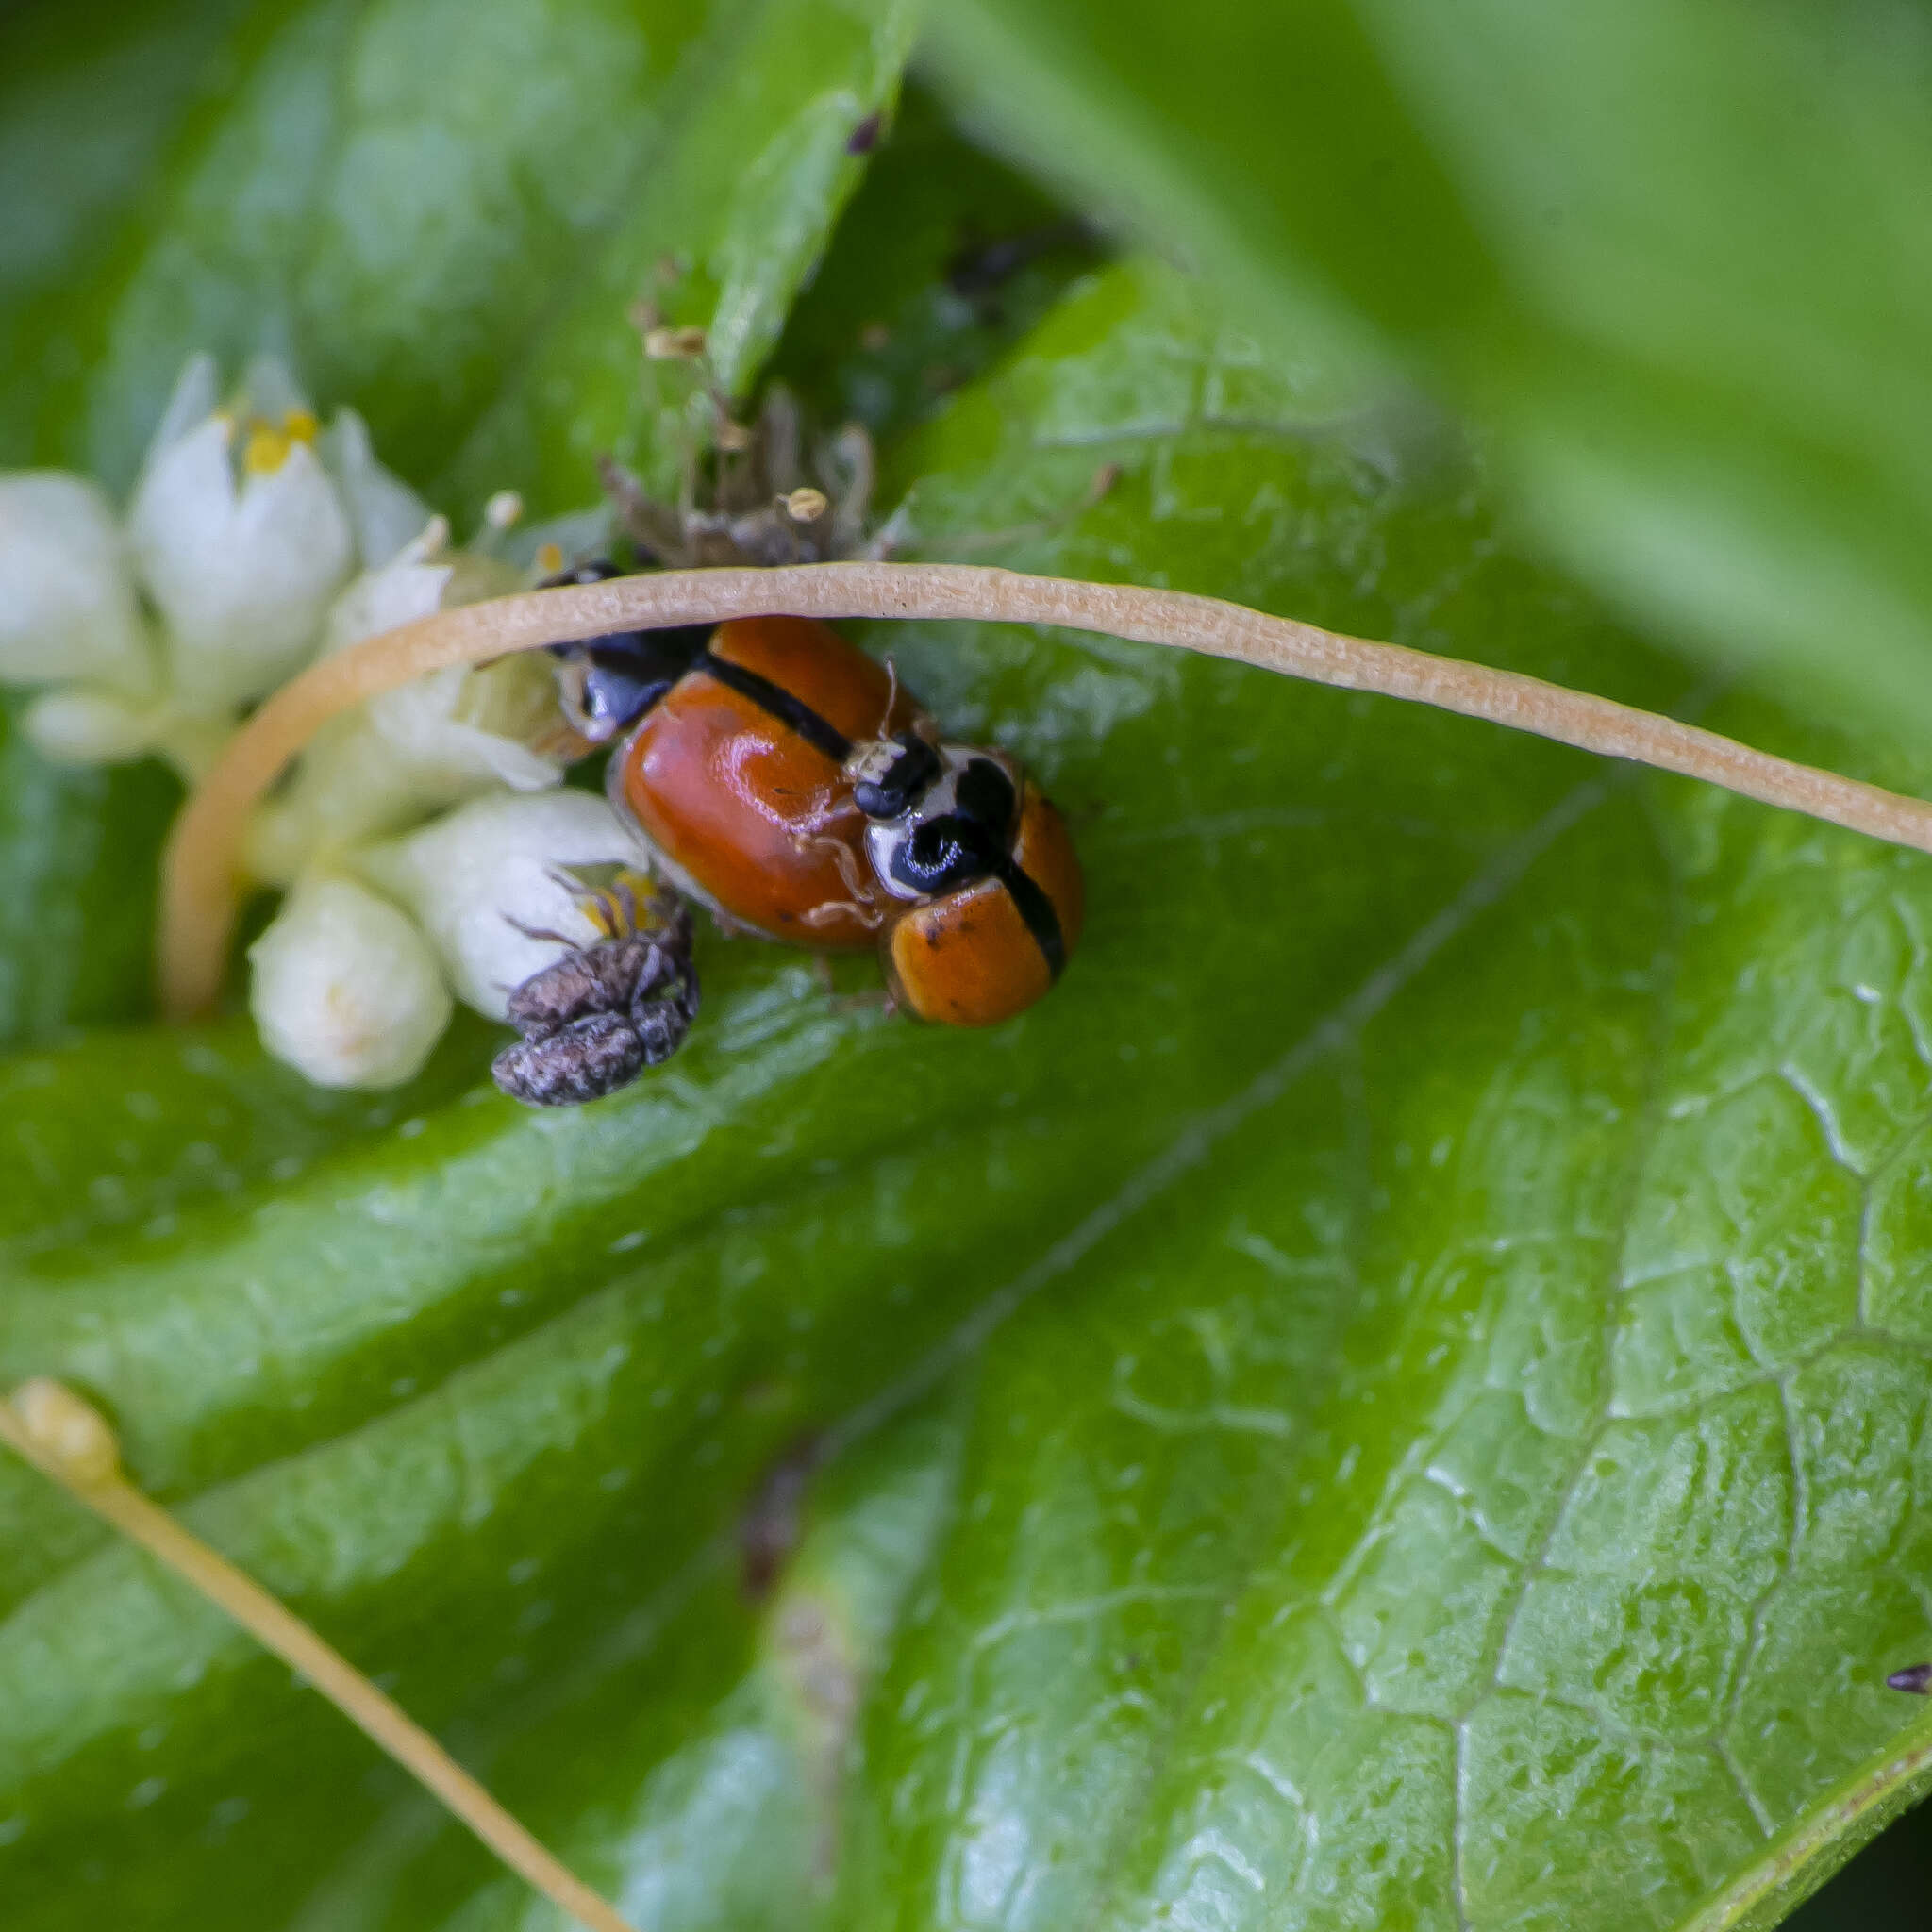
x=1885, y=1889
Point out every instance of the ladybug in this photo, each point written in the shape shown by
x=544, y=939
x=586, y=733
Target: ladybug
x=989, y=892
x=783, y=778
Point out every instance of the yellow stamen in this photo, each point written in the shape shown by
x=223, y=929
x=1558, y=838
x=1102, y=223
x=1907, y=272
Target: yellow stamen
x=627, y=905
x=266, y=450
x=549, y=558
x=299, y=425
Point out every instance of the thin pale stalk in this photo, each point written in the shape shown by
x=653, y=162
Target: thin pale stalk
x=112, y=1497
x=201, y=874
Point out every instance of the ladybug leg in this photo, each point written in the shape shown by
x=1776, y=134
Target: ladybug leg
x=842, y=812
x=861, y=901
x=866, y=913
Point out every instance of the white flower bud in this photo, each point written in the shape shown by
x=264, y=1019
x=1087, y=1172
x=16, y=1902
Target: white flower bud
x=78, y=724
x=385, y=514
x=196, y=390
x=484, y=882
x=67, y=605
x=439, y=727
x=81, y=726
x=345, y=988
x=241, y=570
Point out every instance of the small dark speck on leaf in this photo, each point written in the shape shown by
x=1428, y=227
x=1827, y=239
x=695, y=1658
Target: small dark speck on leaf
x=864, y=138
x=770, y=1529
x=1916, y=1678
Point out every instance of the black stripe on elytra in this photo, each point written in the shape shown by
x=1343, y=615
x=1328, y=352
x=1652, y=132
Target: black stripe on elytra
x=629, y=671
x=775, y=699
x=1036, y=910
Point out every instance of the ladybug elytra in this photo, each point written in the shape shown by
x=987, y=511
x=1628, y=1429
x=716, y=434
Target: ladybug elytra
x=783, y=778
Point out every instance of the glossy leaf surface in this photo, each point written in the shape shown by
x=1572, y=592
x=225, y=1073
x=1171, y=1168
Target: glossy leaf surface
x=1396, y=1397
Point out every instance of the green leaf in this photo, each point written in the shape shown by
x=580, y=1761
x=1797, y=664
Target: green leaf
x=724, y=221
x=945, y=262
x=1423, y=1440
x=1670, y=251
x=77, y=858
x=1396, y=1396
x=441, y=210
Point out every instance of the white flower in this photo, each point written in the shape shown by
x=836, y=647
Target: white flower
x=487, y=882
x=345, y=988
x=352, y=980
x=432, y=742
x=76, y=725
x=247, y=522
x=386, y=513
x=239, y=535
x=244, y=524
x=67, y=603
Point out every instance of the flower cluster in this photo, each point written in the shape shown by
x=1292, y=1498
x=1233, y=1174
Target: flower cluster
x=427, y=853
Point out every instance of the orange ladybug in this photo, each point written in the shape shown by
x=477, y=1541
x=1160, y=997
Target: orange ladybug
x=988, y=890
x=781, y=777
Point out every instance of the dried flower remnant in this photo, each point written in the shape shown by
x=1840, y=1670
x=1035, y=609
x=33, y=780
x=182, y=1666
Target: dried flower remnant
x=778, y=498
x=596, y=1017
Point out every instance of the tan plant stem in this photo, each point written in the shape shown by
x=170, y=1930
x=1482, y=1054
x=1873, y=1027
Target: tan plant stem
x=70, y=1442
x=201, y=873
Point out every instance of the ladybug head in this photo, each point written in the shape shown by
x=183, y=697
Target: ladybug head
x=890, y=775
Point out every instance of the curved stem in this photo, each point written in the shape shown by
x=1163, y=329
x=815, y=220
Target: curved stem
x=105, y=1491
x=201, y=872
